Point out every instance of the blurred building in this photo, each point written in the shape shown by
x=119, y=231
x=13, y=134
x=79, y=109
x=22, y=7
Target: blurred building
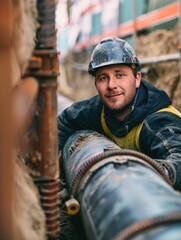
x=82, y=23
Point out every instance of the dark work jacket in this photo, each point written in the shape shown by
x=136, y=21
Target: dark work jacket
x=160, y=137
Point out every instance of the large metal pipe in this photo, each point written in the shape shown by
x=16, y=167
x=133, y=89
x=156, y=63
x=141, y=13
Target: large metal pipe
x=123, y=194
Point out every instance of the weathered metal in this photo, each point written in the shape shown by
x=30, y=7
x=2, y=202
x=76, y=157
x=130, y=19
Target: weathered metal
x=122, y=194
x=43, y=153
x=49, y=191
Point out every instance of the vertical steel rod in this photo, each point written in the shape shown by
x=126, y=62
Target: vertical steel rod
x=44, y=156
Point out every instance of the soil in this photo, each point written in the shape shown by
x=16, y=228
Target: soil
x=28, y=216
x=164, y=75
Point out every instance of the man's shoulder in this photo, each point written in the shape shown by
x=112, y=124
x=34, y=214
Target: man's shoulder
x=85, y=107
x=91, y=103
x=155, y=91
x=156, y=98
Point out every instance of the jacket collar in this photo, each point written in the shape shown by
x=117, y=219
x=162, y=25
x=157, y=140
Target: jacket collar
x=148, y=100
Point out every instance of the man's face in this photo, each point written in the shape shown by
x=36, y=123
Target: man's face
x=116, y=86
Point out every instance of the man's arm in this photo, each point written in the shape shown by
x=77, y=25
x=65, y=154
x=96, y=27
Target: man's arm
x=79, y=116
x=66, y=126
x=160, y=138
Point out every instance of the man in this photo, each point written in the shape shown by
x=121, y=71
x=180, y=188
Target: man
x=128, y=110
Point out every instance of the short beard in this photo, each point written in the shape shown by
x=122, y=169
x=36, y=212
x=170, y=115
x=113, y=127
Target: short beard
x=121, y=111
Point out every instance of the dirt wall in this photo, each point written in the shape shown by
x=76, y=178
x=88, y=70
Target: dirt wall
x=164, y=75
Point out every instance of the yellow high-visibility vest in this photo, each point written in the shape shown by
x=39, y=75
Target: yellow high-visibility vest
x=131, y=140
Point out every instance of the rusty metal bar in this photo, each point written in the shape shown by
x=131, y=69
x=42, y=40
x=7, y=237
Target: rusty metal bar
x=43, y=160
x=48, y=167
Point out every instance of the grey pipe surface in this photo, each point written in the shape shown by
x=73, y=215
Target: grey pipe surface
x=121, y=195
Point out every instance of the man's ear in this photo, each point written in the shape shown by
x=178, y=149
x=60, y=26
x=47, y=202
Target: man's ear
x=138, y=79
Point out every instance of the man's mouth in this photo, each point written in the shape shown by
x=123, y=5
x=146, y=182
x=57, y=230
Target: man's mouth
x=113, y=95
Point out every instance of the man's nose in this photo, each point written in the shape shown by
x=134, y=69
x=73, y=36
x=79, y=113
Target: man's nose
x=112, y=83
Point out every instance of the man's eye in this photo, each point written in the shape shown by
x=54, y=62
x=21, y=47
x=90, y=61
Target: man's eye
x=120, y=75
x=103, y=78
